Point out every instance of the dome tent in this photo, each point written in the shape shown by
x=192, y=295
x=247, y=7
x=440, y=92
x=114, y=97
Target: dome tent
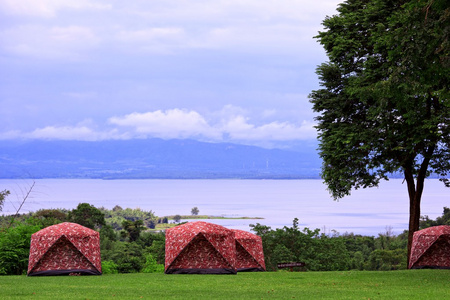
x=431, y=248
x=65, y=249
x=200, y=248
x=249, y=252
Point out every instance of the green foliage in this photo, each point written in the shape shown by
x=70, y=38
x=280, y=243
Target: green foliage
x=384, y=101
x=15, y=248
x=119, y=256
x=109, y=267
x=3, y=195
x=281, y=254
x=107, y=232
x=163, y=220
x=177, y=218
x=127, y=256
x=426, y=222
x=48, y=217
x=323, y=252
x=194, y=211
x=151, y=265
x=87, y=215
x=384, y=104
x=118, y=215
x=157, y=250
x=133, y=229
x=386, y=260
x=7, y=221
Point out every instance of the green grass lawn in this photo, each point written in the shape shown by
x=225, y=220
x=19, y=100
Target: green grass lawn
x=408, y=284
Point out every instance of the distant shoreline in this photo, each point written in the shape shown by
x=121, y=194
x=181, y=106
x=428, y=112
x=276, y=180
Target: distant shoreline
x=206, y=217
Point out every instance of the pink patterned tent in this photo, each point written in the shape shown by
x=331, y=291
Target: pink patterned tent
x=249, y=252
x=64, y=249
x=431, y=248
x=200, y=248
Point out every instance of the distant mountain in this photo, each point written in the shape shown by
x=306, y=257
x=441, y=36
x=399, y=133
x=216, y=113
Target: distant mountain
x=153, y=158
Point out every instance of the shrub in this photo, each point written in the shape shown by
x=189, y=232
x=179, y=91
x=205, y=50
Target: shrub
x=109, y=267
x=151, y=265
x=15, y=249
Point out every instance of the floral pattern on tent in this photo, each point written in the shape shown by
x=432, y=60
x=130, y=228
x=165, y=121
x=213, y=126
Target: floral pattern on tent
x=249, y=251
x=431, y=248
x=64, y=249
x=200, y=248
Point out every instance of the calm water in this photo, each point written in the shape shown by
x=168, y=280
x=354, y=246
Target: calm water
x=368, y=211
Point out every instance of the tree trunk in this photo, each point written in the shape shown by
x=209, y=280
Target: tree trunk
x=415, y=196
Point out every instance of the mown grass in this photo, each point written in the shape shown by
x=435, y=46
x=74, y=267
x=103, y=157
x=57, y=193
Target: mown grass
x=408, y=284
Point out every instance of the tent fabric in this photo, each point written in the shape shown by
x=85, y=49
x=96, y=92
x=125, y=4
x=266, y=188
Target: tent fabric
x=200, y=248
x=249, y=252
x=63, y=249
x=431, y=248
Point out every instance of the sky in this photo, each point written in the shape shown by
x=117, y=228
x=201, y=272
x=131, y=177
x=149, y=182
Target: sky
x=235, y=71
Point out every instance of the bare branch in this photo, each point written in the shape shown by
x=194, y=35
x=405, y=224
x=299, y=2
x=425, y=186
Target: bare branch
x=21, y=204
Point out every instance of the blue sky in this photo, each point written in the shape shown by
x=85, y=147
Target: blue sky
x=217, y=71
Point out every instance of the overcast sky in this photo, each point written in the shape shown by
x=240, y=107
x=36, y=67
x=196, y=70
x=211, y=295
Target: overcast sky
x=219, y=70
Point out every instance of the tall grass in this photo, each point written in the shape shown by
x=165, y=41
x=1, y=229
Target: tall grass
x=408, y=284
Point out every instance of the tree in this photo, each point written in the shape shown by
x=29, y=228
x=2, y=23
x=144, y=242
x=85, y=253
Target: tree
x=426, y=222
x=3, y=195
x=194, y=211
x=87, y=215
x=48, y=217
x=384, y=105
x=133, y=229
x=177, y=218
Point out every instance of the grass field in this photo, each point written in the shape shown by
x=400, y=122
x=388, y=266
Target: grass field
x=408, y=284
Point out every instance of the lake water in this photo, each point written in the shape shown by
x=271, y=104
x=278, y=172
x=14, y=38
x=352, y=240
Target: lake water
x=367, y=212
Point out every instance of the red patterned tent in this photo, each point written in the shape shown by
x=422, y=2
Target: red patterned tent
x=249, y=252
x=200, y=248
x=431, y=248
x=63, y=249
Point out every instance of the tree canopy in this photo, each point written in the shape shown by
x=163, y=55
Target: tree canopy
x=384, y=105
x=195, y=211
x=87, y=215
x=3, y=195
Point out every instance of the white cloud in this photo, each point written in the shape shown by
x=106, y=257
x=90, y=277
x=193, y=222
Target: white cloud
x=47, y=8
x=155, y=39
x=164, y=26
x=257, y=55
x=231, y=126
x=239, y=129
x=64, y=133
x=170, y=124
x=49, y=42
x=281, y=25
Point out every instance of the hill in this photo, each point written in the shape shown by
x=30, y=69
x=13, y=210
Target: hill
x=153, y=158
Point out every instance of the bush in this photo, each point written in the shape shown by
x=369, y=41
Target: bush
x=15, y=249
x=151, y=265
x=109, y=267
x=128, y=257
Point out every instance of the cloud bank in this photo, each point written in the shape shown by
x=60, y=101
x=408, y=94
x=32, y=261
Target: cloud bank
x=177, y=124
x=221, y=71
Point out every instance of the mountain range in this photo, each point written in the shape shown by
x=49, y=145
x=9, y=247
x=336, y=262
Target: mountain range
x=154, y=158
